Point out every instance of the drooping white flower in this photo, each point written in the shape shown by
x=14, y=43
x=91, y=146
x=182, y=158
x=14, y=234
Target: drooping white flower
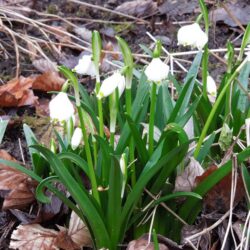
x=60, y=108
x=211, y=86
x=86, y=66
x=76, y=138
x=192, y=35
x=157, y=70
x=117, y=80
x=247, y=123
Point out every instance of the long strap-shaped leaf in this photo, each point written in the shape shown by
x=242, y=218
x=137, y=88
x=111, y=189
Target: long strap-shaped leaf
x=82, y=198
x=153, y=166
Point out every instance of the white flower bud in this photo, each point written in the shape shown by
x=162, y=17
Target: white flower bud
x=76, y=138
x=192, y=35
x=86, y=66
x=211, y=86
x=60, y=108
x=110, y=84
x=157, y=70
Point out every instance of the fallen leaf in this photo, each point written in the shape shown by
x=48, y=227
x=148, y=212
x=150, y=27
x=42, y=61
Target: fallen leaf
x=33, y=237
x=180, y=7
x=138, y=8
x=44, y=65
x=186, y=180
x=218, y=197
x=48, y=81
x=240, y=10
x=17, y=92
x=20, y=187
x=143, y=244
x=78, y=231
x=42, y=107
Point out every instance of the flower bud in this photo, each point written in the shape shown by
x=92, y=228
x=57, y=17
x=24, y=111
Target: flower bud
x=76, y=138
x=211, y=86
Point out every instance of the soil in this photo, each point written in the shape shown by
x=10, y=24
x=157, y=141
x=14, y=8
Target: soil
x=164, y=25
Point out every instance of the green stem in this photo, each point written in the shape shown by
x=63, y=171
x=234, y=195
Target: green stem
x=204, y=71
x=100, y=112
x=131, y=143
x=152, y=119
x=94, y=150
x=112, y=139
x=128, y=102
x=215, y=107
x=89, y=157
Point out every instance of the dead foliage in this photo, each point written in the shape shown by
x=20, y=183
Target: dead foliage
x=20, y=187
x=33, y=237
x=218, y=197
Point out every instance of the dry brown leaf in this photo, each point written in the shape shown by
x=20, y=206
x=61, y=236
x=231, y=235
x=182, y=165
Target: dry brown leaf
x=240, y=11
x=33, y=237
x=17, y=92
x=20, y=186
x=138, y=8
x=48, y=81
x=218, y=197
x=76, y=237
x=78, y=231
x=143, y=244
x=186, y=180
x=44, y=65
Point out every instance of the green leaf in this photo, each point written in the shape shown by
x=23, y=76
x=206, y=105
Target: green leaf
x=205, y=148
x=245, y=42
x=139, y=110
x=114, y=202
x=96, y=47
x=128, y=60
x=185, y=95
x=140, y=144
x=174, y=196
x=152, y=167
x=40, y=189
x=246, y=180
x=85, y=202
x=243, y=101
x=171, y=132
x=205, y=14
x=79, y=161
x=73, y=80
x=38, y=163
x=164, y=106
x=3, y=126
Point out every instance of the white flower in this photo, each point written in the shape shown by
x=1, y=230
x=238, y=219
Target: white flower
x=192, y=35
x=211, y=86
x=247, y=122
x=157, y=70
x=60, y=108
x=76, y=138
x=110, y=84
x=86, y=66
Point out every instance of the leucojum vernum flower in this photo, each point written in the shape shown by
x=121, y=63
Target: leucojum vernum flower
x=192, y=35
